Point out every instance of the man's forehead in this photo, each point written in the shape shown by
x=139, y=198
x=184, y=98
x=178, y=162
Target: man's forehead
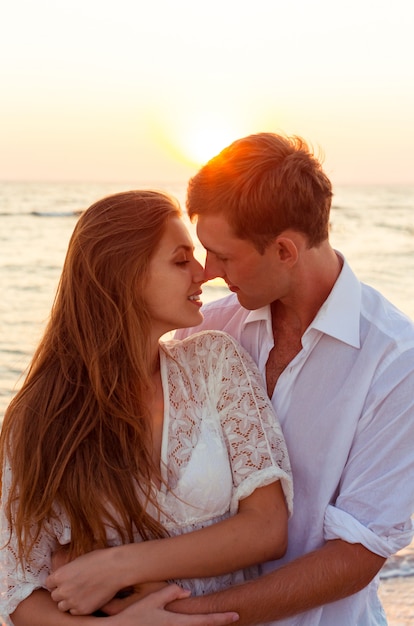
x=214, y=224
x=217, y=236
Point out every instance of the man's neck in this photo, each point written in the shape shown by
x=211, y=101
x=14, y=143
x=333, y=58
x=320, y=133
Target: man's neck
x=312, y=282
x=292, y=315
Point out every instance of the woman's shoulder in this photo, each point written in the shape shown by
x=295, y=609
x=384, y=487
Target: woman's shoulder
x=204, y=339
x=211, y=335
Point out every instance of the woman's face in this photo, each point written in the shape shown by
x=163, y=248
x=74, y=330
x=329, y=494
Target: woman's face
x=173, y=291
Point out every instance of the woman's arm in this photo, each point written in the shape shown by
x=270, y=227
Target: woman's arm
x=40, y=610
x=257, y=533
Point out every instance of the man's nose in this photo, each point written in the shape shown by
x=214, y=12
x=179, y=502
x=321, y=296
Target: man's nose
x=213, y=268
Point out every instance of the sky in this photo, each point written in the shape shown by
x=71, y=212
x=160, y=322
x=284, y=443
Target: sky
x=134, y=90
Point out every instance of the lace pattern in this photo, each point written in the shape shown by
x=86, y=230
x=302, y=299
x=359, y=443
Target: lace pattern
x=221, y=441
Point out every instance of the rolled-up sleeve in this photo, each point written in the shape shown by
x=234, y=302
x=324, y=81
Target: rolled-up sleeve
x=341, y=525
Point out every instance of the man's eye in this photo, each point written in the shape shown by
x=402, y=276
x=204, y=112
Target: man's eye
x=182, y=262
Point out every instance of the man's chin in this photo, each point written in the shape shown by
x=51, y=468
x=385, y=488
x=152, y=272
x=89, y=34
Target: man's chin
x=248, y=303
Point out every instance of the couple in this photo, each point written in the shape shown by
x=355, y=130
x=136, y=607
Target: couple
x=108, y=412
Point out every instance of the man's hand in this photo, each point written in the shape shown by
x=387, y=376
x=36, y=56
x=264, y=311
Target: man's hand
x=151, y=611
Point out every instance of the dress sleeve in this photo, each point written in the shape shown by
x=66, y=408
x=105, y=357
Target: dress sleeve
x=252, y=432
x=20, y=579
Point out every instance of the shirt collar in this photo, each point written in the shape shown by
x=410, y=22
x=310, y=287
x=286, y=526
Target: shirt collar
x=263, y=314
x=339, y=315
x=259, y=315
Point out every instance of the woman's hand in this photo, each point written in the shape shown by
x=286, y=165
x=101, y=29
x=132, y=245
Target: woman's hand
x=87, y=583
x=151, y=611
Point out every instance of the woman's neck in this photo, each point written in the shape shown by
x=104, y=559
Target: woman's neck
x=154, y=359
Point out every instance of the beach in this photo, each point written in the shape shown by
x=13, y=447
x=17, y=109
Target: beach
x=397, y=597
x=396, y=589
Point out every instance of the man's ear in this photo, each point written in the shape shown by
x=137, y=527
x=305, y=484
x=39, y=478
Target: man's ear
x=287, y=249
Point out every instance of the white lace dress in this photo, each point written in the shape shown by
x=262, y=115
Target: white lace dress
x=221, y=441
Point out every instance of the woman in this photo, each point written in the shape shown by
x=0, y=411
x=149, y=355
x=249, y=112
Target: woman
x=116, y=437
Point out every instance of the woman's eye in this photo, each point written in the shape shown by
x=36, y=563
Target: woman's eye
x=182, y=262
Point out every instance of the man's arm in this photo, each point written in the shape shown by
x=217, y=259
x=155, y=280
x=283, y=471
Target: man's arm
x=331, y=573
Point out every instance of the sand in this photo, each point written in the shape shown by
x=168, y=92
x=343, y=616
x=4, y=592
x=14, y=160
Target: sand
x=397, y=597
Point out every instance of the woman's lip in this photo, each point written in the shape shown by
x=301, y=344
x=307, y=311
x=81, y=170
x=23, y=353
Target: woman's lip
x=194, y=298
x=197, y=302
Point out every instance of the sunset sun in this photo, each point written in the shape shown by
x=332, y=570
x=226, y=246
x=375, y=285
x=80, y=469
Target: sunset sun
x=203, y=143
x=196, y=138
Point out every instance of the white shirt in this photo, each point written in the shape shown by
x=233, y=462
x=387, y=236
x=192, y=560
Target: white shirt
x=346, y=406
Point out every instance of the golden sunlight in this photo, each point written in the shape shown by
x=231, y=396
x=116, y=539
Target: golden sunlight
x=204, y=142
x=196, y=138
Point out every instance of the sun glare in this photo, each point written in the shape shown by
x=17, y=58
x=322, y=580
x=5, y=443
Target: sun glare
x=195, y=139
x=203, y=143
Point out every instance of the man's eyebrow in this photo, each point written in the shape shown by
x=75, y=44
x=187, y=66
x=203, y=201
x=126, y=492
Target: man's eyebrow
x=217, y=253
x=208, y=249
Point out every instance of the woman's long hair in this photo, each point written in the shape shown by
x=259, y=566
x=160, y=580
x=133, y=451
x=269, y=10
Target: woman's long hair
x=77, y=434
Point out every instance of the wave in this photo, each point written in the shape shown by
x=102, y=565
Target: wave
x=56, y=213
x=74, y=213
x=400, y=564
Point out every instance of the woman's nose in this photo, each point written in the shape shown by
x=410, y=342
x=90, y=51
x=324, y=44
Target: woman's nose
x=198, y=273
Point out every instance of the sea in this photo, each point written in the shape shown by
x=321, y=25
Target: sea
x=372, y=225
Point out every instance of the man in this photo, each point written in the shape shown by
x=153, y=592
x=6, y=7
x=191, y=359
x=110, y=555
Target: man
x=338, y=361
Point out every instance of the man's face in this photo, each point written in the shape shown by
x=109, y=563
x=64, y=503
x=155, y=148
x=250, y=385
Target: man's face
x=249, y=274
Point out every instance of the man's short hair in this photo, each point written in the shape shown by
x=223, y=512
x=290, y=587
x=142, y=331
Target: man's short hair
x=264, y=184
